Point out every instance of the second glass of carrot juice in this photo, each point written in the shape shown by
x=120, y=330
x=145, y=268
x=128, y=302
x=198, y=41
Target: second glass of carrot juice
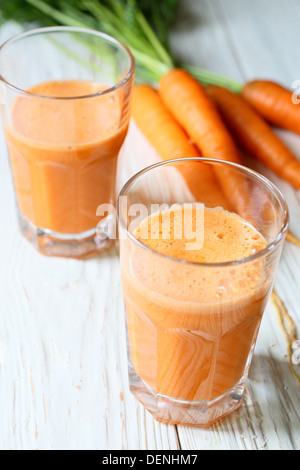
x=65, y=113
x=197, y=275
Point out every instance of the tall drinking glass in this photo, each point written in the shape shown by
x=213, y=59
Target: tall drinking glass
x=197, y=274
x=65, y=113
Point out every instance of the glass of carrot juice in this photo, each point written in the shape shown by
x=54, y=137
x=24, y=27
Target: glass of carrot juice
x=65, y=114
x=197, y=273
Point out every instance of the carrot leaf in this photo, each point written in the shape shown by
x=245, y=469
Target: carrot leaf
x=142, y=25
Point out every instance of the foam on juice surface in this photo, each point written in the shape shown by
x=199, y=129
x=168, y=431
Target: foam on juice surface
x=227, y=237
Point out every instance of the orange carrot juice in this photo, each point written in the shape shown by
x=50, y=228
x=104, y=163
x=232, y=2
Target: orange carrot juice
x=192, y=323
x=64, y=153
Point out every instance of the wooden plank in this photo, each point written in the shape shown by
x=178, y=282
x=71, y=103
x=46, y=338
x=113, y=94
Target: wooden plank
x=249, y=39
x=262, y=35
x=63, y=364
x=199, y=39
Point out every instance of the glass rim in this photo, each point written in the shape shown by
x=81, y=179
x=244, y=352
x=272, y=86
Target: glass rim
x=270, y=247
x=71, y=29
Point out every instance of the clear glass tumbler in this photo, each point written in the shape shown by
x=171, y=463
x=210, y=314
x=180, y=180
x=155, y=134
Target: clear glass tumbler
x=65, y=113
x=192, y=325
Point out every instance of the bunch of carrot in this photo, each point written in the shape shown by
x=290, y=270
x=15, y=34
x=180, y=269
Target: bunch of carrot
x=183, y=119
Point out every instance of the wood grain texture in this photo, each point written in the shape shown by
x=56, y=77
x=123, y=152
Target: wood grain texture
x=63, y=365
x=253, y=39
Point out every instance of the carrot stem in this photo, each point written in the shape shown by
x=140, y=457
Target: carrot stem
x=211, y=78
x=148, y=31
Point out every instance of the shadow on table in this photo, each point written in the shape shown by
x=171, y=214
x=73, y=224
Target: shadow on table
x=189, y=18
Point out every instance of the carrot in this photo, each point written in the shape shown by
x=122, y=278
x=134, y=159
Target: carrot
x=171, y=142
x=274, y=102
x=159, y=126
x=187, y=100
x=255, y=134
x=185, y=97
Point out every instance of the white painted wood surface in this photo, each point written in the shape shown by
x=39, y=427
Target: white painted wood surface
x=63, y=369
